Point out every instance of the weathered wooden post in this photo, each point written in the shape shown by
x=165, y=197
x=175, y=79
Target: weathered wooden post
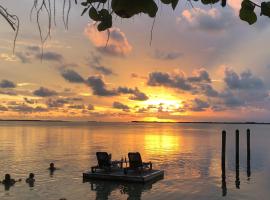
x=237, y=179
x=223, y=152
x=248, y=154
x=223, y=169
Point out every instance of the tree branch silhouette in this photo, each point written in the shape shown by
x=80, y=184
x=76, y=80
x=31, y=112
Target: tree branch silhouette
x=13, y=21
x=102, y=11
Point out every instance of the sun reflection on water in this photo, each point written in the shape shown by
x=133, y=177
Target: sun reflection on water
x=162, y=144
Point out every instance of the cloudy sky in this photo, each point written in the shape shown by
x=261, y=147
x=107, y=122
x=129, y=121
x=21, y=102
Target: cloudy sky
x=203, y=64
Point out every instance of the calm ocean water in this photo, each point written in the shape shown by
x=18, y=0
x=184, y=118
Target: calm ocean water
x=189, y=153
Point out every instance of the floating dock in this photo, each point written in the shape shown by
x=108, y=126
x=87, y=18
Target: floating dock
x=119, y=175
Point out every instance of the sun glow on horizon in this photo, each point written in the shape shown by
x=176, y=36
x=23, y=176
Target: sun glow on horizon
x=164, y=102
x=169, y=103
x=156, y=119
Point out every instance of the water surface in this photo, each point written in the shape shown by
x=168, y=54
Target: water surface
x=190, y=154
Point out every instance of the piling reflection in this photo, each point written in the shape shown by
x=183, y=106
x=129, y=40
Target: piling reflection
x=104, y=189
x=224, y=185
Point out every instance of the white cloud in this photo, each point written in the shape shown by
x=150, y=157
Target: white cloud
x=210, y=20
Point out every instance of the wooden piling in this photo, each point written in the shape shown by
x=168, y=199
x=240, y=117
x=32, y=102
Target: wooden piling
x=248, y=154
x=223, y=152
x=237, y=148
x=237, y=179
x=223, y=169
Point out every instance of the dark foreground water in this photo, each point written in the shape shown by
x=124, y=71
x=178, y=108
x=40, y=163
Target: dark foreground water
x=189, y=153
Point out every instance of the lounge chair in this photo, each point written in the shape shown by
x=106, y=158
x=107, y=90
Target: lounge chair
x=136, y=163
x=104, y=162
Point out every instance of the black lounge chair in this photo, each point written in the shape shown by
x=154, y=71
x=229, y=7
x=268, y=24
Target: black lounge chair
x=104, y=162
x=136, y=163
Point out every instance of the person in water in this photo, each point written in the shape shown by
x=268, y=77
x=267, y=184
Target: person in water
x=31, y=179
x=52, y=167
x=8, y=181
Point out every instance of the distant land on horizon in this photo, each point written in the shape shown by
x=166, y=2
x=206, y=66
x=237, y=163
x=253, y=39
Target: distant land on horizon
x=186, y=122
x=203, y=122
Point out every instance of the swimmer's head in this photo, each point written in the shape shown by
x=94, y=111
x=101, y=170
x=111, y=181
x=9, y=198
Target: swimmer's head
x=7, y=177
x=51, y=165
x=31, y=175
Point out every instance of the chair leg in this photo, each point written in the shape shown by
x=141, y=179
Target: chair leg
x=92, y=170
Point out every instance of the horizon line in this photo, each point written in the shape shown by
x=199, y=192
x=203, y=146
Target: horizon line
x=137, y=121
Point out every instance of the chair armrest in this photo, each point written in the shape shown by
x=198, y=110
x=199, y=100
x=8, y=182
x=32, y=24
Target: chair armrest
x=93, y=169
x=148, y=164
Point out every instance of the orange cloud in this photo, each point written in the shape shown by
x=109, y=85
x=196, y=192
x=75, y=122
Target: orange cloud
x=117, y=45
x=235, y=4
x=7, y=57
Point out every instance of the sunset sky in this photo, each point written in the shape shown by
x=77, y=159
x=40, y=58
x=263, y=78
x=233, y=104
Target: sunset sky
x=203, y=64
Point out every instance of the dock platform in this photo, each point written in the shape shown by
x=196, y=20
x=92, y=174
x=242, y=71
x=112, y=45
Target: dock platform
x=119, y=175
